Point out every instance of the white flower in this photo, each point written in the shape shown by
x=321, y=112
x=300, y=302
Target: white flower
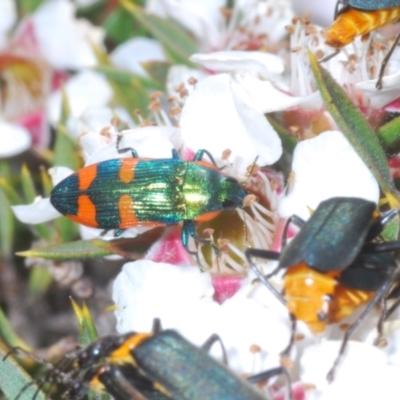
x=323, y=167
x=65, y=41
x=14, y=139
x=220, y=115
x=182, y=298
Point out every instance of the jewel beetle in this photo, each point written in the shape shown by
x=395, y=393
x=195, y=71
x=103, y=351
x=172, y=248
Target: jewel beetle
x=359, y=17
x=155, y=366
x=125, y=192
x=333, y=264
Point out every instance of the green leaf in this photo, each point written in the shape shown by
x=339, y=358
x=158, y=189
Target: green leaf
x=13, y=378
x=8, y=334
x=158, y=70
x=39, y=280
x=87, y=329
x=119, y=26
x=7, y=219
x=288, y=141
x=177, y=42
x=129, y=90
x=27, y=7
x=65, y=251
x=132, y=248
x=356, y=129
x=389, y=136
x=65, y=150
x=27, y=184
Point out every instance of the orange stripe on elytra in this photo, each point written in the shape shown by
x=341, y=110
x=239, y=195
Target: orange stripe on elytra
x=126, y=212
x=86, y=176
x=86, y=212
x=207, y=216
x=127, y=169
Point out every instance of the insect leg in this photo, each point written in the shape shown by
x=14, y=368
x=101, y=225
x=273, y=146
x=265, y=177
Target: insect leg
x=263, y=376
x=385, y=61
x=125, y=149
x=268, y=255
x=210, y=342
x=381, y=292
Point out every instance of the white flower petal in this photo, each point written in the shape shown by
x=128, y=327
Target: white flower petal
x=15, y=139
x=389, y=92
x=8, y=17
x=149, y=142
x=217, y=117
x=161, y=288
x=324, y=167
x=85, y=89
x=265, y=65
x=58, y=174
x=178, y=74
x=266, y=97
x=132, y=53
x=362, y=374
x=181, y=298
x=63, y=40
x=39, y=211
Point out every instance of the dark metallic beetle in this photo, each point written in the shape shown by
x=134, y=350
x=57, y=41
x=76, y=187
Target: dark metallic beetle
x=147, y=366
x=333, y=265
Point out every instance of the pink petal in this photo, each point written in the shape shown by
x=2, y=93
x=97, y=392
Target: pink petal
x=226, y=286
x=169, y=249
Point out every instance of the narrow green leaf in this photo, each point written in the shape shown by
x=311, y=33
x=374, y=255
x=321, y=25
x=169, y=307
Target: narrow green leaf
x=389, y=136
x=177, y=42
x=27, y=7
x=129, y=90
x=88, y=331
x=158, y=70
x=132, y=248
x=64, y=251
x=8, y=334
x=27, y=184
x=288, y=141
x=13, y=378
x=355, y=127
x=127, y=78
x=66, y=151
x=10, y=192
x=39, y=280
x=7, y=226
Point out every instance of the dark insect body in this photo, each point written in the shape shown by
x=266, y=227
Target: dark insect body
x=360, y=17
x=147, y=366
x=333, y=265
x=127, y=192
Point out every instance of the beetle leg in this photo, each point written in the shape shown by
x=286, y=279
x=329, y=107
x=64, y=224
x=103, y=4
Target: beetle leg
x=294, y=219
x=210, y=343
x=265, y=254
x=263, y=376
x=188, y=229
x=286, y=352
x=199, y=156
x=382, y=316
x=380, y=225
x=125, y=149
x=118, y=385
x=175, y=155
x=378, y=85
x=329, y=56
x=381, y=292
x=384, y=247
